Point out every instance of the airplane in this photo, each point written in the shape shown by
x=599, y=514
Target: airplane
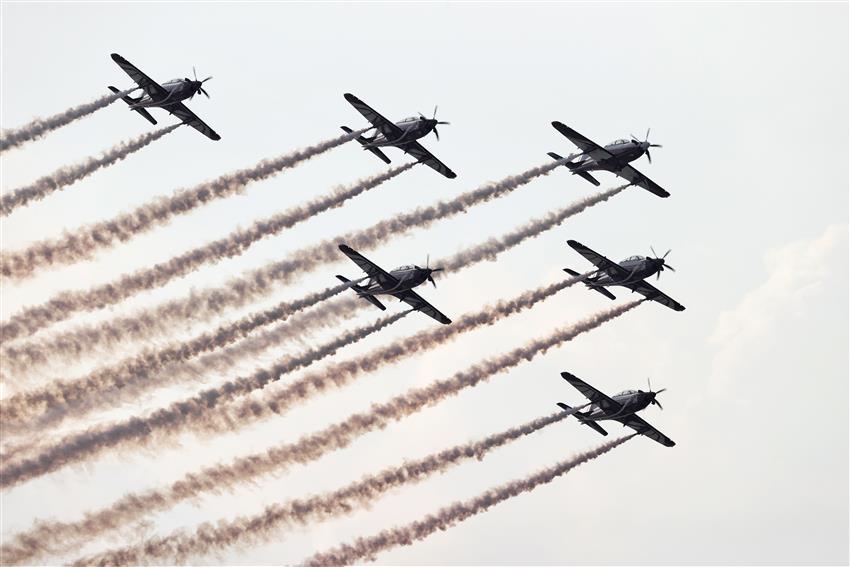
x=630, y=273
x=401, y=135
x=398, y=283
x=622, y=407
x=614, y=157
x=168, y=96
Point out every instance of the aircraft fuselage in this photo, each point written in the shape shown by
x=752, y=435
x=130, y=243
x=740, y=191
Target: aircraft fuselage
x=178, y=90
x=639, y=268
x=412, y=129
x=632, y=402
x=623, y=152
x=408, y=278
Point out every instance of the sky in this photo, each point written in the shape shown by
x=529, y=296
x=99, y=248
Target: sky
x=750, y=103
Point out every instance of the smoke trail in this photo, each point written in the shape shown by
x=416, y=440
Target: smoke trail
x=239, y=291
x=342, y=373
x=83, y=243
x=205, y=410
x=65, y=176
x=41, y=126
x=310, y=447
x=261, y=527
x=68, y=303
x=98, y=439
x=494, y=246
x=127, y=378
x=453, y=514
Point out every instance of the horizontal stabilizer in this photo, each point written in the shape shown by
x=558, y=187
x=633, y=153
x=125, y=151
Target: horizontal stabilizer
x=370, y=298
x=381, y=155
x=600, y=289
x=587, y=176
x=587, y=422
x=131, y=101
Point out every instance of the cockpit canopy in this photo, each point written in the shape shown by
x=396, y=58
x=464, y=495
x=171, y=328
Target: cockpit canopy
x=626, y=393
x=620, y=141
x=633, y=258
x=411, y=119
x=403, y=268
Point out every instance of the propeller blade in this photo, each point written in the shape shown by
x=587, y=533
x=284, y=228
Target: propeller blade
x=658, y=404
x=658, y=274
x=428, y=260
x=422, y=116
x=443, y=122
x=655, y=146
x=194, y=74
x=654, y=253
x=634, y=138
x=669, y=267
x=648, y=384
x=435, y=112
x=207, y=79
x=665, y=254
x=436, y=133
x=647, y=135
x=649, y=156
x=204, y=92
x=430, y=279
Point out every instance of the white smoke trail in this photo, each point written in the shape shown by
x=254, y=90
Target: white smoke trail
x=368, y=547
x=68, y=175
x=41, y=126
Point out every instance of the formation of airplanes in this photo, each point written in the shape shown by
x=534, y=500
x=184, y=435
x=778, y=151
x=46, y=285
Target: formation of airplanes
x=616, y=157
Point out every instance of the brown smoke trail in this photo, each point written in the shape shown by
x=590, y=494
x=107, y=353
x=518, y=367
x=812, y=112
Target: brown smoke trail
x=44, y=534
x=41, y=126
x=180, y=545
x=68, y=303
x=127, y=378
x=84, y=242
x=205, y=410
x=494, y=246
x=99, y=439
x=367, y=547
x=66, y=176
x=240, y=291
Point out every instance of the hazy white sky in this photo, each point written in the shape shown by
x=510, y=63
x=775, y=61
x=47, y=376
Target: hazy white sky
x=750, y=103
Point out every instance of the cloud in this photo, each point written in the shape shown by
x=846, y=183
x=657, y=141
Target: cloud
x=798, y=275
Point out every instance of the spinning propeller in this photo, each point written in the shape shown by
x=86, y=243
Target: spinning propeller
x=648, y=145
x=436, y=122
x=664, y=265
x=200, y=88
x=653, y=394
x=431, y=270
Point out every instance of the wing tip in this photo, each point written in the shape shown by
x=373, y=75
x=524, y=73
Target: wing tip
x=451, y=174
x=574, y=244
x=345, y=248
x=350, y=97
x=117, y=58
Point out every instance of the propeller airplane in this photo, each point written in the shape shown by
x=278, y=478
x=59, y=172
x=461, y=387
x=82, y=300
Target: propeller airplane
x=622, y=407
x=615, y=157
x=401, y=135
x=630, y=273
x=399, y=283
x=168, y=96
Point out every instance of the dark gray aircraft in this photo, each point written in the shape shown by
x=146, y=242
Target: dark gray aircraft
x=401, y=135
x=399, y=283
x=168, y=96
x=630, y=273
x=614, y=157
x=621, y=407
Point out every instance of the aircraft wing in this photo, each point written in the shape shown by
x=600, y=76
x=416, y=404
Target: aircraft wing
x=154, y=89
x=189, y=118
x=424, y=156
x=417, y=302
x=384, y=126
x=653, y=293
x=374, y=271
x=612, y=268
x=644, y=428
x=606, y=404
x=635, y=177
x=586, y=145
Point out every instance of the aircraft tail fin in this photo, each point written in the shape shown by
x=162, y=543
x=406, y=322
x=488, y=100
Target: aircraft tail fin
x=363, y=141
x=131, y=101
x=591, y=424
x=370, y=298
